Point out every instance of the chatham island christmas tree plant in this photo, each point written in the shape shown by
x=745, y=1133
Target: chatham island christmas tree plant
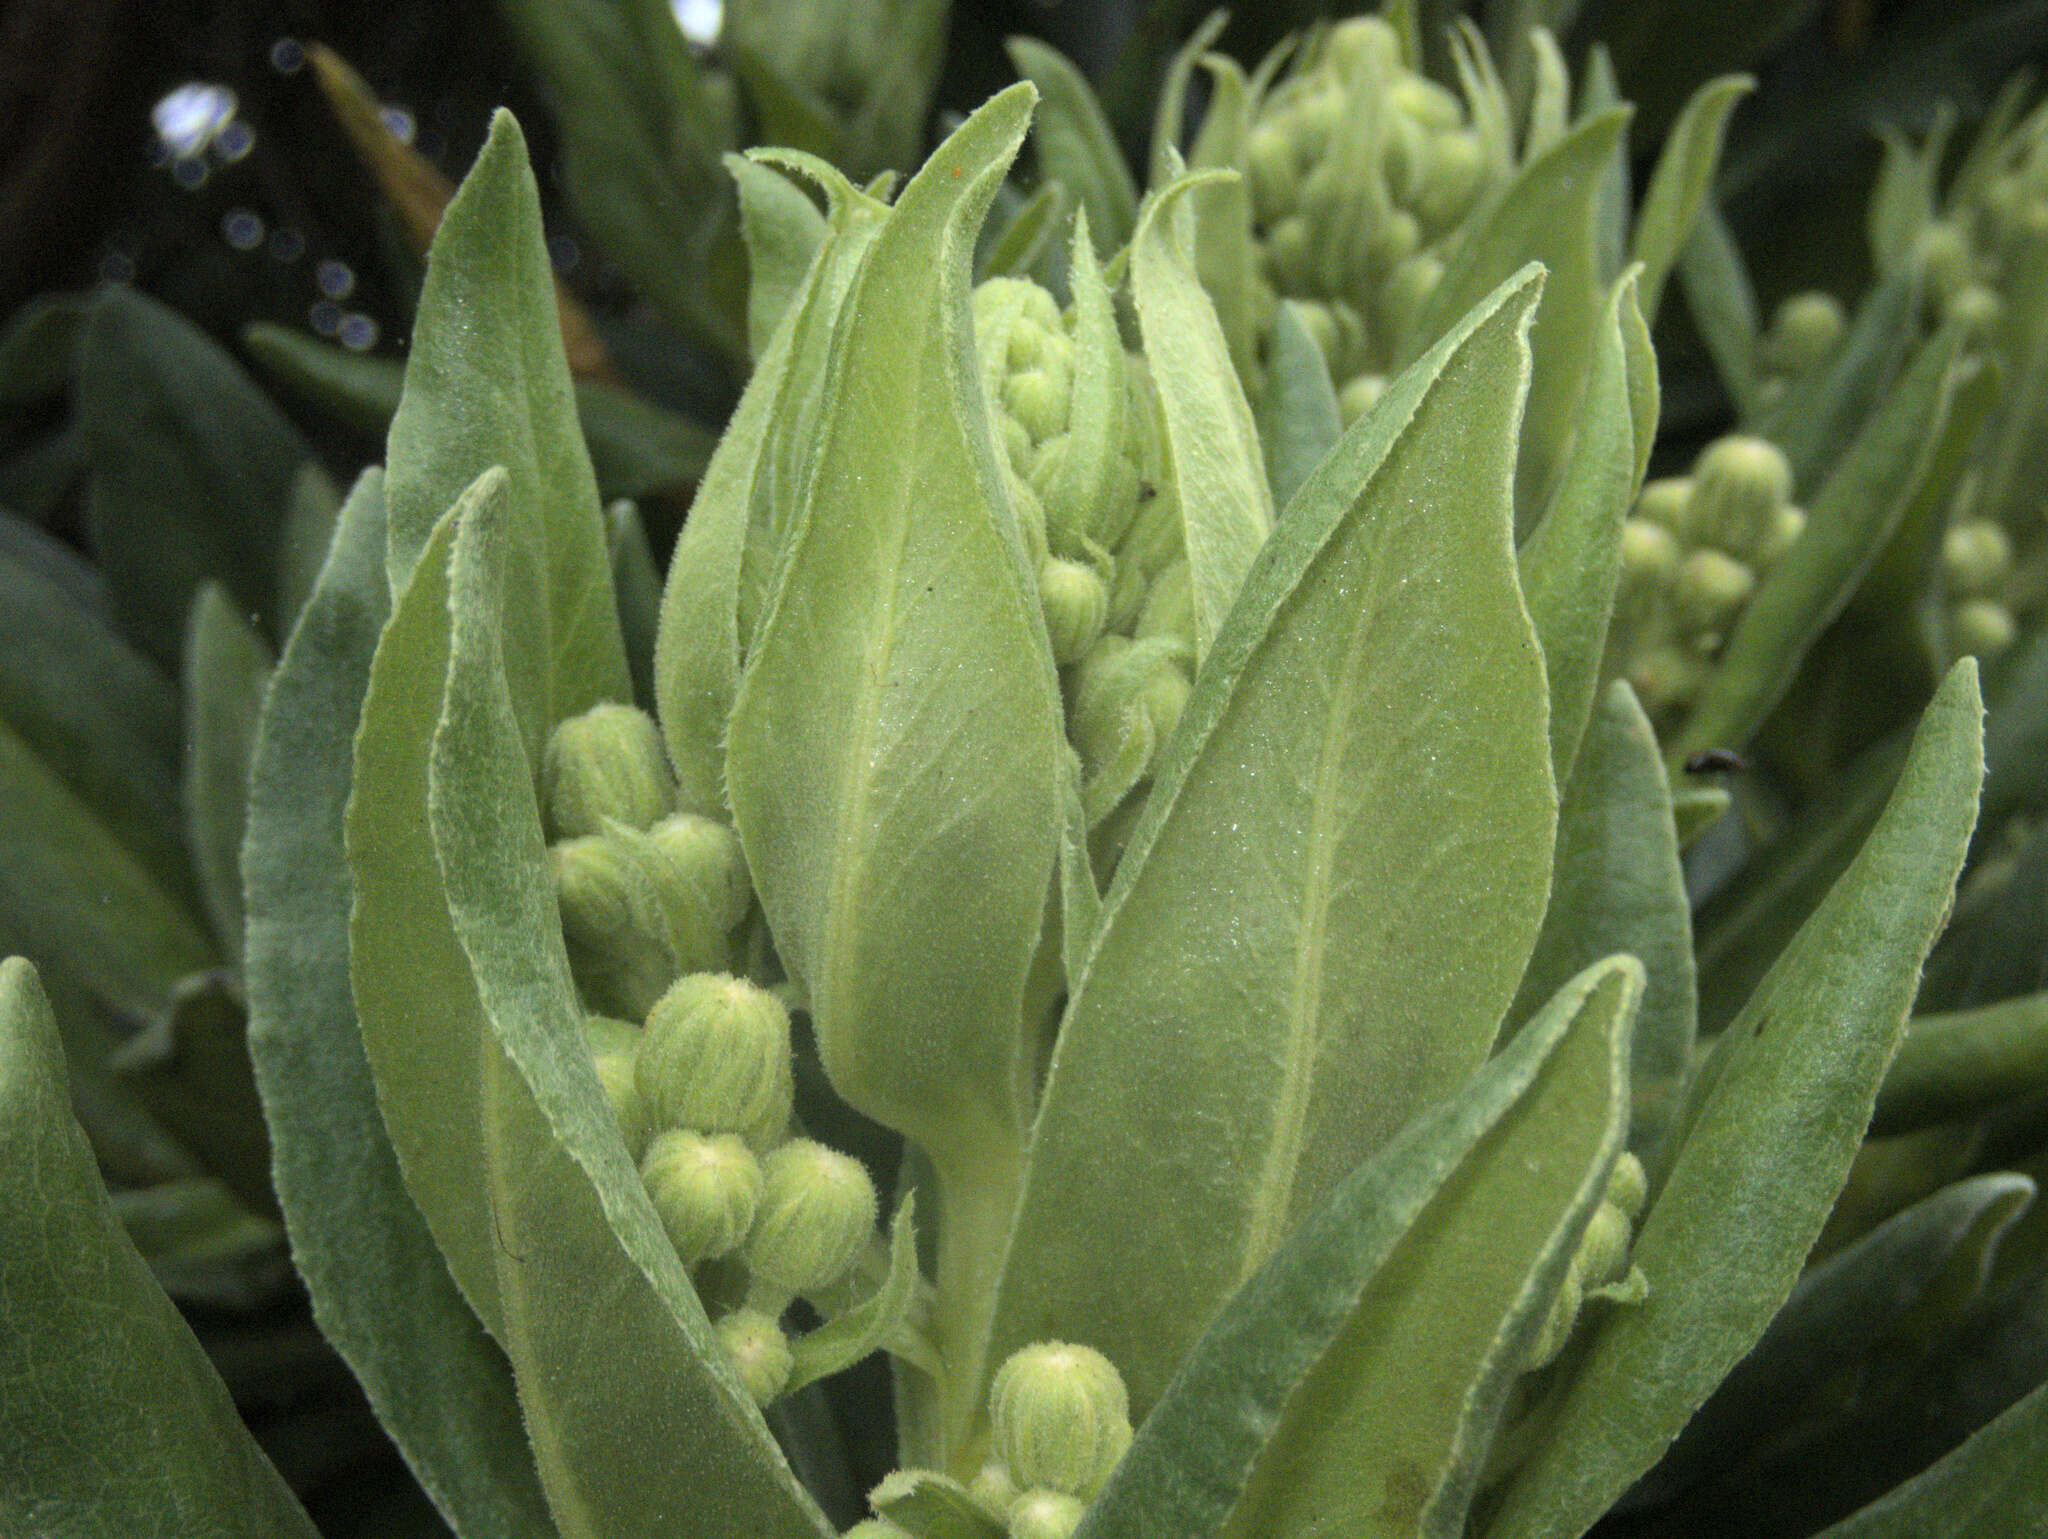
x=1187, y=807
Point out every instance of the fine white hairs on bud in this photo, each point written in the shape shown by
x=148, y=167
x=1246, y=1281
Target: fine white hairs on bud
x=706, y=854
x=1043, y=1514
x=606, y=763
x=760, y=1352
x=614, y=1049
x=1062, y=1419
x=1076, y=604
x=1739, y=484
x=715, y=1059
x=817, y=1214
x=706, y=1189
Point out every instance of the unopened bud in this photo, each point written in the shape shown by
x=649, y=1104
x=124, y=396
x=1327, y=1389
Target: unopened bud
x=1407, y=292
x=1628, y=1185
x=1271, y=172
x=606, y=763
x=1076, y=603
x=1455, y=173
x=1975, y=556
x=614, y=1050
x=1664, y=677
x=1044, y=1514
x=817, y=1214
x=715, y=1059
x=1943, y=252
x=1786, y=529
x=1557, y=1325
x=616, y=954
x=1062, y=1419
x=1398, y=238
x=993, y=1487
x=1650, y=553
x=1975, y=309
x=1666, y=502
x=1361, y=44
x=1170, y=606
x=1418, y=97
x=1603, y=1249
x=705, y=1189
x=1805, y=331
x=1982, y=628
x=706, y=854
x=1738, y=485
x=1039, y=398
x=1290, y=254
x=1121, y=679
x=1359, y=396
x=759, y=1351
x=1709, y=590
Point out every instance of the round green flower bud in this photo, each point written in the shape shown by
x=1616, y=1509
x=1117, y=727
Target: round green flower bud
x=1805, y=331
x=1982, y=628
x=1786, y=529
x=1974, y=308
x=615, y=1050
x=1404, y=157
x=1043, y=1514
x=1076, y=603
x=1453, y=178
x=1398, y=238
x=706, y=1190
x=1709, y=589
x=1666, y=502
x=1603, y=1248
x=1360, y=396
x=817, y=1214
x=1271, y=172
x=1039, y=399
x=1289, y=254
x=759, y=1351
x=1418, y=97
x=1628, y=1186
x=706, y=854
x=606, y=763
x=1650, y=553
x=1361, y=44
x=715, y=1059
x=1975, y=556
x=1061, y=1417
x=1320, y=324
x=1406, y=293
x=1664, y=677
x=1121, y=680
x=1738, y=485
x=1943, y=252
x=618, y=960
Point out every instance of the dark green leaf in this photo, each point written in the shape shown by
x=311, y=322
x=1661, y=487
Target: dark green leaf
x=1958, y=1065
x=39, y=348
x=1723, y=304
x=637, y=582
x=1988, y=1488
x=1075, y=144
x=1679, y=186
x=227, y=669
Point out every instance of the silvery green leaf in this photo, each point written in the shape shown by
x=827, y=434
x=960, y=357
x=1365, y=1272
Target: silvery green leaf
x=310, y=513
x=1680, y=185
x=1966, y=1062
x=1723, y=303
x=1359, y=1370
x=1987, y=1488
x=227, y=669
x=637, y=582
x=438, y=1384
x=932, y=1506
x=1226, y=255
x=191, y=470
x=783, y=231
x=568, y=1219
x=870, y=1325
x=1772, y=1122
x=1858, y=507
x=486, y=384
x=1321, y=914
x=1618, y=887
x=1299, y=420
x=112, y=1421
x=1821, y=417
x=1075, y=144
x=1213, y=453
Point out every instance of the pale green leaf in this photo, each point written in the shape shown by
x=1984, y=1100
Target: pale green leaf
x=1299, y=420
x=1075, y=144
x=440, y=1387
x=871, y=1324
x=112, y=1421
x=637, y=582
x=227, y=669
x=1327, y=903
x=1964, y=1063
x=1023, y=243
x=783, y=231
x=1772, y=1124
x=1680, y=185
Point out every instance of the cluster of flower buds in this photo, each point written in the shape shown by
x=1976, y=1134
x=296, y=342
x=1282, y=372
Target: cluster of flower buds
x=1805, y=334
x=1061, y=1420
x=1600, y=1267
x=1692, y=554
x=1358, y=168
x=647, y=892
x=1977, y=566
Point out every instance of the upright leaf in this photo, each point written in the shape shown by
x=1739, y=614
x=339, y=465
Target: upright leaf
x=1299, y=420
x=1213, y=453
x=783, y=231
x=1773, y=1122
x=439, y=1386
x=1324, y=910
x=227, y=669
x=1679, y=186
x=111, y=1418
x=1988, y=1487
x=1723, y=304
x=1075, y=144
x=486, y=384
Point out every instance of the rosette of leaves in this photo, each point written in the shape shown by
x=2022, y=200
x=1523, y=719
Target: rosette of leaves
x=1358, y=1122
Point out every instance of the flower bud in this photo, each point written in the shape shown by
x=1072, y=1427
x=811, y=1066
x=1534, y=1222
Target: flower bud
x=1650, y=553
x=706, y=1190
x=1666, y=502
x=759, y=1351
x=1170, y=606
x=1120, y=679
x=1404, y=157
x=1786, y=529
x=1271, y=172
x=1628, y=1185
x=992, y=1487
x=1603, y=1249
x=1043, y=1514
x=1422, y=99
x=1397, y=239
x=1406, y=293
x=1039, y=398
x=1289, y=253
x=615, y=954
x=715, y=1059
x=1076, y=603
x=1709, y=590
x=817, y=1214
x=1975, y=309
x=1557, y=1325
x=1738, y=485
x=1664, y=677
x=1982, y=628
x=615, y=1049
x=1454, y=175
x=1804, y=334
x=1360, y=396
x=606, y=763
x=1361, y=44
x=706, y=854
x=1975, y=556
x=1943, y=252
x=1061, y=1417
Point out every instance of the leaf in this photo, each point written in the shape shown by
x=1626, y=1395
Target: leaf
x=1986, y=1488
x=1821, y=418
x=870, y=1325
x=1075, y=144
x=1321, y=914
x=1723, y=304
x=1098, y=410
x=931, y=1506
x=1547, y=214
x=39, y=348
x=1618, y=887
x=2013, y=459
x=1298, y=418
x=227, y=668
x=111, y=1418
x=1773, y=1122
x=1213, y=453
x=438, y=1385
x=204, y=1248
x=97, y=714
x=1837, y=1320
x=783, y=231
x=1965, y=1063
x=1025, y=240
x=486, y=384
x=1680, y=185
x=310, y=512
x=1571, y=563
x=191, y=470
x=641, y=141
x=1859, y=506
x=893, y=752
x=1352, y=1330
x=637, y=582
x=1168, y=120
x=567, y=1215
